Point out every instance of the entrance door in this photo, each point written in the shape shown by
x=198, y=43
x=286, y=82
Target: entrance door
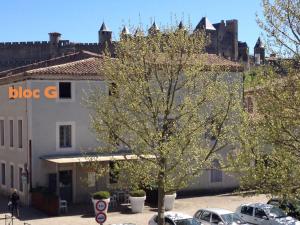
x=65, y=185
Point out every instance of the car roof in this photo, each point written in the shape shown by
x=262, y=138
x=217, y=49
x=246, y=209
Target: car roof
x=218, y=211
x=177, y=215
x=259, y=205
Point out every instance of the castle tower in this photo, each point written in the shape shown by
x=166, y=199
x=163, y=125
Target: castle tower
x=105, y=35
x=232, y=31
x=153, y=29
x=211, y=33
x=259, y=52
x=54, y=38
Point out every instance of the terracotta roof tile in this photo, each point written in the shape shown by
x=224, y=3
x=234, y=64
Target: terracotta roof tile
x=90, y=66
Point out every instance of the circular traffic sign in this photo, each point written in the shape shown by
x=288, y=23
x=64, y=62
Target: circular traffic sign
x=100, y=217
x=101, y=205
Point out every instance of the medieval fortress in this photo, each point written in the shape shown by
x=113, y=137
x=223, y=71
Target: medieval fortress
x=223, y=42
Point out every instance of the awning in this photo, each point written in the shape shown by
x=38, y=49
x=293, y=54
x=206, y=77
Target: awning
x=82, y=159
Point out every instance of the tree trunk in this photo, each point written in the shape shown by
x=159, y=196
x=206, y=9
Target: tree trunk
x=161, y=202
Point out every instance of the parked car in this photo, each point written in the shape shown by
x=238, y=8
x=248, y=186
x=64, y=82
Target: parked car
x=264, y=214
x=215, y=216
x=175, y=218
x=291, y=207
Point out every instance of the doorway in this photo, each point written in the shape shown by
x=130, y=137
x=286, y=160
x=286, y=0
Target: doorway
x=66, y=185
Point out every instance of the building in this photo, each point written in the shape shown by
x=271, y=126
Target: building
x=223, y=36
x=42, y=138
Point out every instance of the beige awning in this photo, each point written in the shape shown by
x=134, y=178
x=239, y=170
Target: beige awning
x=82, y=159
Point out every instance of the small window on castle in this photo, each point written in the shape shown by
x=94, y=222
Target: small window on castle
x=65, y=90
x=249, y=104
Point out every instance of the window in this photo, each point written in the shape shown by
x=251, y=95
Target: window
x=3, y=173
x=249, y=104
x=247, y=210
x=20, y=180
x=65, y=90
x=215, y=219
x=1, y=132
x=12, y=184
x=65, y=136
x=91, y=179
x=20, y=134
x=11, y=133
x=259, y=213
x=216, y=172
x=205, y=216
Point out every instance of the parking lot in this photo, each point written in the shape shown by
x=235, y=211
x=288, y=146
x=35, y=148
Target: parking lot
x=186, y=205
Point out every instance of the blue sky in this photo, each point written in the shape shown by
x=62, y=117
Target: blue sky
x=79, y=20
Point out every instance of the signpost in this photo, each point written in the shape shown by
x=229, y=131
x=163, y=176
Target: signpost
x=101, y=208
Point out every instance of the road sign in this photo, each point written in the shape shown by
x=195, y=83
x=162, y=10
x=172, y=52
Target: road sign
x=100, y=217
x=101, y=205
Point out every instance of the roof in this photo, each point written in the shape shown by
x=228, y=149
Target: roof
x=259, y=43
x=180, y=25
x=205, y=24
x=218, y=211
x=153, y=27
x=259, y=205
x=51, y=62
x=104, y=28
x=125, y=30
x=177, y=215
x=88, y=66
x=81, y=158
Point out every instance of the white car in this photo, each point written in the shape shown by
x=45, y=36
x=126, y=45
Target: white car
x=264, y=214
x=216, y=216
x=175, y=218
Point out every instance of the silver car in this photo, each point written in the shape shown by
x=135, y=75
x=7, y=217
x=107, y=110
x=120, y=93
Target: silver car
x=216, y=216
x=265, y=214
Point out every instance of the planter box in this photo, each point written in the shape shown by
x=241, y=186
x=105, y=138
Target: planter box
x=169, y=201
x=46, y=204
x=137, y=204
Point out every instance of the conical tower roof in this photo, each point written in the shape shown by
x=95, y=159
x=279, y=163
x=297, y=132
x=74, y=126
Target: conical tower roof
x=125, y=31
x=104, y=27
x=180, y=25
x=205, y=24
x=138, y=32
x=259, y=43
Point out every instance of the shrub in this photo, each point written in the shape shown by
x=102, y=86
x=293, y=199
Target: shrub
x=170, y=192
x=101, y=195
x=137, y=193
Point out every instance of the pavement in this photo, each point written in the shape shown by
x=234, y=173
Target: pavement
x=83, y=216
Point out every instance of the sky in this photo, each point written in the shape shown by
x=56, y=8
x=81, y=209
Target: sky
x=80, y=20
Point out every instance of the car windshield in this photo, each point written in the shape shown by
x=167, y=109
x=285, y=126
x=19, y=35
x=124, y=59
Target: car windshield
x=191, y=221
x=275, y=212
x=232, y=218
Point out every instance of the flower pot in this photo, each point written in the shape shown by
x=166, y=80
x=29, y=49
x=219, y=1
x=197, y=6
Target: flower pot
x=137, y=204
x=169, y=201
x=95, y=202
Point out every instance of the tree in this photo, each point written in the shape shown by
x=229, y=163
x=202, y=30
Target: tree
x=167, y=104
x=270, y=136
x=281, y=19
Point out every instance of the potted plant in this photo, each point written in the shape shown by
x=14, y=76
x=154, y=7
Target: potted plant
x=100, y=195
x=169, y=200
x=137, y=200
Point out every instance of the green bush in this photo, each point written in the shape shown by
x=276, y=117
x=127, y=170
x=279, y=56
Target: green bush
x=101, y=195
x=137, y=193
x=170, y=192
